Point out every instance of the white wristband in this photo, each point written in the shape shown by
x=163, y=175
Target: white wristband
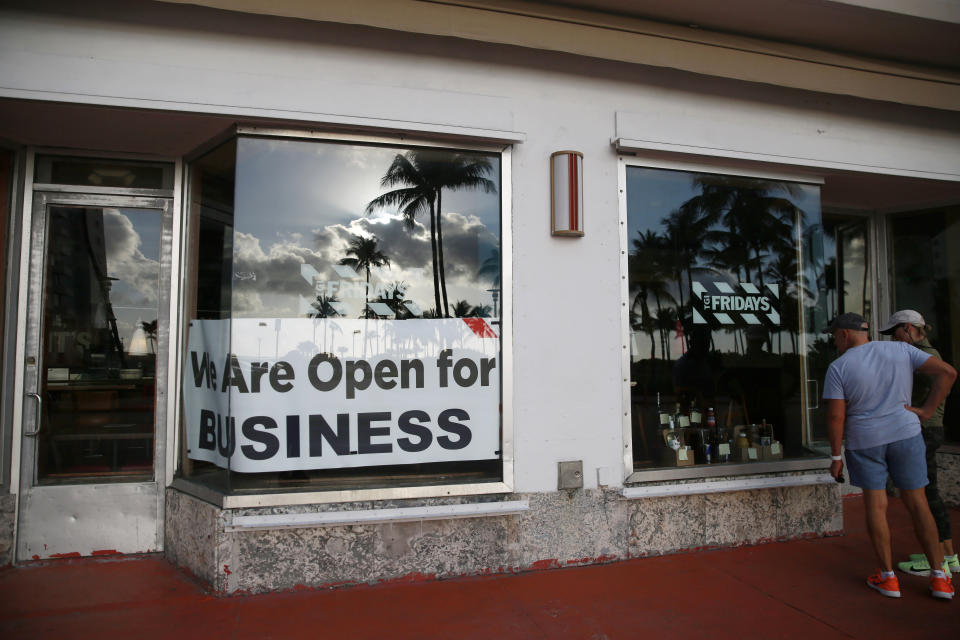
x=836, y=458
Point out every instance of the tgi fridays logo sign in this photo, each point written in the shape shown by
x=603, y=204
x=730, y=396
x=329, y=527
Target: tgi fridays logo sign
x=720, y=303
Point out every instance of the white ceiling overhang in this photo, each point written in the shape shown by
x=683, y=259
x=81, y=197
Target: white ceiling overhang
x=846, y=47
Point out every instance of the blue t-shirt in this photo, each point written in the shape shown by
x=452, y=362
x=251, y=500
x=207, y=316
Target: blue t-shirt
x=876, y=380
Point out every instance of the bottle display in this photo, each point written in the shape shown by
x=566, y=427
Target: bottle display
x=691, y=435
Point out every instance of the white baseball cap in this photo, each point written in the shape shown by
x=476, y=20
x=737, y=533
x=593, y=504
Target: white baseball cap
x=904, y=316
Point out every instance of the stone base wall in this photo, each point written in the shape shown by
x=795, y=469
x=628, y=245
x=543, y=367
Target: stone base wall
x=561, y=529
x=191, y=531
x=8, y=513
x=948, y=475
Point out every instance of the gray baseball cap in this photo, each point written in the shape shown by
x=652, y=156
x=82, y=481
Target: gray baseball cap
x=853, y=321
x=904, y=316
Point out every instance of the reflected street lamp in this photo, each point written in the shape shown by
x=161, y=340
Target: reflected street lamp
x=495, y=294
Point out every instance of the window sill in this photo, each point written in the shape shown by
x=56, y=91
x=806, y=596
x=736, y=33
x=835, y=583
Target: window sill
x=376, y=516
x=225, y=501
x=725, y=486
x=714, y=471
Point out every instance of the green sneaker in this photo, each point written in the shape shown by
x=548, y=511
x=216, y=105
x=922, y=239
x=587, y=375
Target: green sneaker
x=953, y=563
x=917, y=565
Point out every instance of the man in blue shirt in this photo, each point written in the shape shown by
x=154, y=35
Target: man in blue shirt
x=867, y=390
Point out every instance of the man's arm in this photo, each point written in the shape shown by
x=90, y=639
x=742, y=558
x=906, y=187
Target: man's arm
x=942, y=375
x=836, y=419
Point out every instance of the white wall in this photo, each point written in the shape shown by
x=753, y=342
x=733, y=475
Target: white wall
x=567, y=340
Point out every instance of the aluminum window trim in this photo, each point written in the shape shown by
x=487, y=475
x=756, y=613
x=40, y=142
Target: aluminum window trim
x=274, y=521
x=726, y=486
x=732, y=469
x=489, y=141
x=10, y=276
x=760, y=160
x=81, y=189
x=484, y=140
x=292, y=498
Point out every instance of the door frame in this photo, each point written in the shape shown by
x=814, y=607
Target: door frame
x=168, y=362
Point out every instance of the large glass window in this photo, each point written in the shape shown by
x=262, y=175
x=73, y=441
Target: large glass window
x=925, y=276
x=723, y=289
x=344, y=329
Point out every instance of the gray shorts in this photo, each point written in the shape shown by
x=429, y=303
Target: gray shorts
x=904, y=460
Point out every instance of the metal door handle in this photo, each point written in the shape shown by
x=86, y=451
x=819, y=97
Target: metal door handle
x=36, y=432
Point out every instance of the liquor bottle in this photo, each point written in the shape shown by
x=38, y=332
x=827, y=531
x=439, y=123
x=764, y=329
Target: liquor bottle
x=696, y=417
x=679, y=418
x=664, y=417
x=766, y=433
x=672, y=435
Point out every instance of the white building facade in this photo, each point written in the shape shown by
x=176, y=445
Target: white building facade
x=332, y=293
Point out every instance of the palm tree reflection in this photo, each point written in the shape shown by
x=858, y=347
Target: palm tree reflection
x=730, y=230
x=422, y=176
x=362, y=254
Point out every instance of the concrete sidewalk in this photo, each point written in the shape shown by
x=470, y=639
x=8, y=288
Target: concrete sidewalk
x=799, y=589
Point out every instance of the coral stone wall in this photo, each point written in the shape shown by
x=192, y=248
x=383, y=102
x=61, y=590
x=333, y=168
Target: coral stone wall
x=560, y=529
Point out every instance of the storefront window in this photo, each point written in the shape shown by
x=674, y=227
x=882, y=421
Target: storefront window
x=344, y=328
x=925, y=276
x=723, y=298
x=102, y=172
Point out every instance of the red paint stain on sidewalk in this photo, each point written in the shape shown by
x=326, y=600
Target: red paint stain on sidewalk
x=542, y=565
x=799, y=590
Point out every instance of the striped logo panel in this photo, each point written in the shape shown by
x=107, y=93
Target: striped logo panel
x=719, y=303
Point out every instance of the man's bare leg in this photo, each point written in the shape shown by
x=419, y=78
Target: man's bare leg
x=875, y=505
x=924, y=526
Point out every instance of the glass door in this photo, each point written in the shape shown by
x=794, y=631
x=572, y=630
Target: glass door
x=92, y=453
x=843, y=279
x=925, y=276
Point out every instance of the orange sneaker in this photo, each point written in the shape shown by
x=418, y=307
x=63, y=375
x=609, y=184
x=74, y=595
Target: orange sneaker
x=941, y=588
x=890, y=587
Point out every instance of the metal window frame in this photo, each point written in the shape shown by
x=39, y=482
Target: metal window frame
x=695, y=165
x=9, y=470
x=268, y=498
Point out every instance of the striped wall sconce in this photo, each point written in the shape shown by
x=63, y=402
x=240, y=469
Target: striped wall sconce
x=566, y=193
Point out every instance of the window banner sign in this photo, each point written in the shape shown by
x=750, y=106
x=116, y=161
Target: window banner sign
x=717, y=303
x=320, y=393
